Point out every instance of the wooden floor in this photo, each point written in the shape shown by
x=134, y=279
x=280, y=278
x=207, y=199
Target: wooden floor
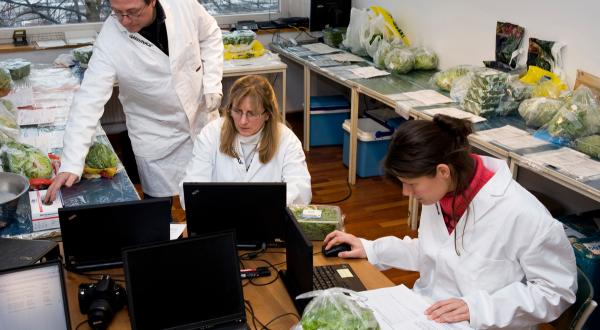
x=374, y=209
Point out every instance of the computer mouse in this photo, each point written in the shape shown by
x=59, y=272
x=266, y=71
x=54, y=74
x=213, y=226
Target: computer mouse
x=333, y=251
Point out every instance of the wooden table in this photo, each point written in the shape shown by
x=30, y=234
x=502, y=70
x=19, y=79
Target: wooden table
x=268, y=301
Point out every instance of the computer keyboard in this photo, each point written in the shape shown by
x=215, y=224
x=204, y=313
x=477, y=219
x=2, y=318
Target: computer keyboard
x=325, y=277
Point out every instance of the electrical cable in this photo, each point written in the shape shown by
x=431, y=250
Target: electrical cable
x=283, y=315
x=348, y=195
x=254, y=318
x=81, y=323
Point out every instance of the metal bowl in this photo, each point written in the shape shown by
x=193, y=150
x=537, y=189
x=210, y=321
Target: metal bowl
x=12, y=186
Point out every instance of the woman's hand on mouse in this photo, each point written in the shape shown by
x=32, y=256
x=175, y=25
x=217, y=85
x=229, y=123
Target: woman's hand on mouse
x=338, y=237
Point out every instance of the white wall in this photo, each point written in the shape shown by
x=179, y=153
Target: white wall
x=463, y=31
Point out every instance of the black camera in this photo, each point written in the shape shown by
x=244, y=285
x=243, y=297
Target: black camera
x=101, y=300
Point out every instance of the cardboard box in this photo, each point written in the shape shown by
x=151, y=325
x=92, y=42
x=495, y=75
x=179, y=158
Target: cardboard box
x=44, y=217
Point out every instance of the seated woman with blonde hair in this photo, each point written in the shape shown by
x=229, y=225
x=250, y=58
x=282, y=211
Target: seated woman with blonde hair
x=250, y=143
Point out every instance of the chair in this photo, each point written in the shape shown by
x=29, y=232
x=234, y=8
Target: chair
x=577, y=314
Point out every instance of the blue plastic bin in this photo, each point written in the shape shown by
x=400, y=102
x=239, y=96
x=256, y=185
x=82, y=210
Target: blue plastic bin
x=372, y=145
x=588, y=259
x=327, y=114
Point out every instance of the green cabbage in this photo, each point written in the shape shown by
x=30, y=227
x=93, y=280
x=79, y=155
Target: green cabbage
x=337, y=311
x=589, y=145
x=18, y=68
x=425, y=59
x=83, y=54
x=100, y=156
x=382, y=50
x=444, y=79
x=26, y=160
x=578, y=117
x=400, y=60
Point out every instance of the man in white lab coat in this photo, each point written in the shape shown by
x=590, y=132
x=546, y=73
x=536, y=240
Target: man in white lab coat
x=167, y=57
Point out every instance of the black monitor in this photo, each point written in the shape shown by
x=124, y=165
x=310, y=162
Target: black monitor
x=191, y=283
x=329, y=13
x=255, y=210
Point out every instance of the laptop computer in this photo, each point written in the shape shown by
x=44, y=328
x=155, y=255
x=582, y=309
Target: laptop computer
x=201, y=272
x=23, y=252
x=94, y=235
x=34, y=297
x=253, y=209
x=300, y=275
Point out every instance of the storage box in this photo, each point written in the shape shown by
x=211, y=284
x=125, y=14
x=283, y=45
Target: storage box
x=386, y=116
x=372, y=145
x=327, y=113
x=317, y=221
x=44, y=217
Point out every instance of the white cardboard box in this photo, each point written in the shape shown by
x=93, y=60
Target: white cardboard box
x=44, y=216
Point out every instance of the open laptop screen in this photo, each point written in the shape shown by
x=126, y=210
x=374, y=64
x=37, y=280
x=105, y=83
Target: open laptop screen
x=184, y=284
x=254, y=210
x=33, y=297
x=94, y=235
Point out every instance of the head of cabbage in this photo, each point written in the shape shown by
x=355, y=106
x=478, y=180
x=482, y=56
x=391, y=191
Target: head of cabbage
x=100, y=156
x=26, y=160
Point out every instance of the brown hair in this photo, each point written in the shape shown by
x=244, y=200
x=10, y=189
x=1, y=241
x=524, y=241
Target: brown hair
x=261, y=92
x=419, y=146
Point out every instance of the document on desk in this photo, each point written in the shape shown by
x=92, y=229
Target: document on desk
x=321, y=48
x=369, y=72
x=177, y=230
x=511, y=138
x=428, y=97
x=398, y=307
x=343, y=72
x=568, y=161
x=345, y=57
x=456, y=113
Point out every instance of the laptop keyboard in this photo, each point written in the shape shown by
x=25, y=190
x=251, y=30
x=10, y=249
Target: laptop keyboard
x=325, y=277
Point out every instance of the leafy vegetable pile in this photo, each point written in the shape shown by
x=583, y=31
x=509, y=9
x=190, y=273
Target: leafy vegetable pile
x=100, y=156
x=26, y=160
x=333, y=311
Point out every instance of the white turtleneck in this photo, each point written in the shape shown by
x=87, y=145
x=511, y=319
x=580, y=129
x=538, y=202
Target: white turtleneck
x=249, y=146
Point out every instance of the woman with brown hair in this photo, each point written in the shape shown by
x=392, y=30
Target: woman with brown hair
x=488, y=252
x=250, y=143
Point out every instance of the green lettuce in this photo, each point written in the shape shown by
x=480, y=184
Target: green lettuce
x=26, y=160
x=336, y=311
x=100, y=156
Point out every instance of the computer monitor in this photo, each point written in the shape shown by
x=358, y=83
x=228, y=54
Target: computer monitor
x=34, y=297
x=254, y=210
x=94, y=235
x=329, y=13
x=191, y=283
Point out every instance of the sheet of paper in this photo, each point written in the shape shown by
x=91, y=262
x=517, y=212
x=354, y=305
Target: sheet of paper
x=345, y=57
x=521, y=142
x=428, y=97
x=456, y=113
x=569, y=162
x=343, y=72
x=176, y=230
x=321, y=48
x=399, y=307
x=78, y=37
x=501, y=133
x=21, y=97
x=369, y=72
x=322, y=61
x=36, y=117
x=50, y=43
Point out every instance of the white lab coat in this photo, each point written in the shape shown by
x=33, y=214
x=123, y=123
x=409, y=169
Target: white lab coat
x=162, y=96
x=516, y=267
x=288, y=165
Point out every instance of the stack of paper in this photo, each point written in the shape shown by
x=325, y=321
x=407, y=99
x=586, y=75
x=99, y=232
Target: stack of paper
x=321, y=48
x=454, y=112
x=568, y=161
x=511, y=138
x=369, y=72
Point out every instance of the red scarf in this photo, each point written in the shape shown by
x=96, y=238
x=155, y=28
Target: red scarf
x=480, y=178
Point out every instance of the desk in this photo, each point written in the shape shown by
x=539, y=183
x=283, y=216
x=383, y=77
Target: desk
x=267, y=301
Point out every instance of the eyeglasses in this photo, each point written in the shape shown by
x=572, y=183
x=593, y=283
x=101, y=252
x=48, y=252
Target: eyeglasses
x=131, y=14
x=238, y=114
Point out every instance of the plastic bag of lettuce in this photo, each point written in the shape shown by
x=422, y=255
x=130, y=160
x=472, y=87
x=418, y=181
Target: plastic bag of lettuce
x=335, y=309
x=101, y=160
x=25, y=160
x=317, y=221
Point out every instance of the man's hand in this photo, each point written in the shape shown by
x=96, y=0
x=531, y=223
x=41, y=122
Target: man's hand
x=62, y=179
x=448, y=311
x=212, y=101
x=337, y=237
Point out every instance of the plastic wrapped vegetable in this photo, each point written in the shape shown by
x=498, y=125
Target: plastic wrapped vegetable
x=538, y=111
x=18, y=68
x=425, y=58
x=26, y=160
x=100, y=161
x=317, y=221
x=9, y=128
x=485, y=92
x=444, y=79
x=381, y=53
x=400, y=60
x=5, y=82
x=332, y=309
x=578, y=117
x=83, y=54
x=516, y=92
x=589, y=145
x=333, y=36
x=239, y=37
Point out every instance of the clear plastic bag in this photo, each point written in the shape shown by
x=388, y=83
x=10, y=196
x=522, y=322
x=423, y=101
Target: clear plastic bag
x=335, y=309
x=516, y=92
x=485, y=92
x=425, y=58
x=358, y=17
x=9, y=127
x=18, y=67
x=444, y=79
x=25, y=160
x=372, y=33
x=400, y=60
x=538, y=111
x=6, y=82
x=589, y=145
x=381, y=53
x=83, y=55
x=578, y=117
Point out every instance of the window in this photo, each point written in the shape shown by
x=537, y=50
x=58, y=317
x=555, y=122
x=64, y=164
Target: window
x=240, y=7
x=25, y=13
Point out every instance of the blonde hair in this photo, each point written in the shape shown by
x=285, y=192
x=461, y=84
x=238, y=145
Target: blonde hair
x=260, y=91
